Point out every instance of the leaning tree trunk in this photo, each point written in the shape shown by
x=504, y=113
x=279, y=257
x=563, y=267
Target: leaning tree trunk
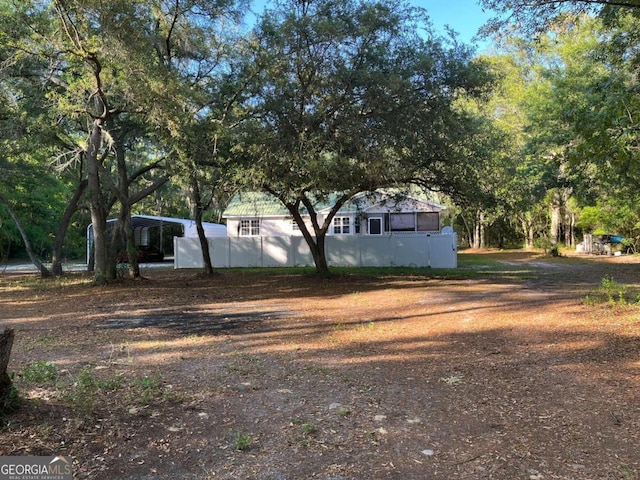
x=6, y=389
x=27, y=244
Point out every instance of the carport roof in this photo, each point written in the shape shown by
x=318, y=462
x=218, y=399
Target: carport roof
x=142, y=221
x=148, y=221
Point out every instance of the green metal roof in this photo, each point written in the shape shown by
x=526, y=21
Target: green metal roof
x=260, y=204
x=248, y=204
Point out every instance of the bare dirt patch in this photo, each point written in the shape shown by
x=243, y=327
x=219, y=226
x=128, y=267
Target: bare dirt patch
x=501, y=373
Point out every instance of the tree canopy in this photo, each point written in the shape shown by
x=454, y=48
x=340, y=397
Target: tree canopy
x=533, y=17
x=352, y=96
x=105, y=102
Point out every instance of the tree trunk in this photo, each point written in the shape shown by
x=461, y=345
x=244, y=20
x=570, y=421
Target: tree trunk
x=476, y=234
x=478, y=230
x=63, y=225
x=123, y=230
x=199, y=207
x=27, y=244
x=571, y=231
x=96, y=205
x=125, y=209
x=319, y=254
x=206, y=254
x=527, y=231
x=7, y=399
x=132, y=250
x=556, y=217
x=469, y=233
x=113, y=247
x=316, y=244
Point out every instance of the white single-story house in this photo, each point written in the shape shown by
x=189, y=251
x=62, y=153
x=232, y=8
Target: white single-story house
x=380, y=228
x=258, y=214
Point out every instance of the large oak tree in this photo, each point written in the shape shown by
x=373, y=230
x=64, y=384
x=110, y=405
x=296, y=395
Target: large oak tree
x=353, y=96
x=107, y=66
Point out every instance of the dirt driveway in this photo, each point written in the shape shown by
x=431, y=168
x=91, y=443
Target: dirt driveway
x=516, y=366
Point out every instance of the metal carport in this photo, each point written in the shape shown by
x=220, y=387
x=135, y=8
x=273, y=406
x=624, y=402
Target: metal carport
x=142, y=224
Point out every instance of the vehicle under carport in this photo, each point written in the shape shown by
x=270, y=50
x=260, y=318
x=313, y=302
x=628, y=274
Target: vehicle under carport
x=159, y=232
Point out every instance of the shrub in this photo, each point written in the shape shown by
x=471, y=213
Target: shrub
x=40, y=372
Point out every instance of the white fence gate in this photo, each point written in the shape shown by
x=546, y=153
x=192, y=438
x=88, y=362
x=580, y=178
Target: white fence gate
x=428, y=250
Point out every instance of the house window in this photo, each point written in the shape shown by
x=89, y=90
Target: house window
x=428, y=222
x=403, y=222
x=249, y=228
x=341, y=226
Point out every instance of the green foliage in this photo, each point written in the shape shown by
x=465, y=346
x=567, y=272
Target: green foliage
x=243, y=442
x=312, y=135
x=304, y=432
x=40, y=372
x=568, y=110
x=83, y=392
x=110, y=384
x=143, y=70
x=149, y=388
x=613, y=293
x=37, y=199
x=86, y=389
x=309, y=428
x=547, y=246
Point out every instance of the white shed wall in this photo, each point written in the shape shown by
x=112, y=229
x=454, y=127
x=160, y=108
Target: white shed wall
x=269, y=227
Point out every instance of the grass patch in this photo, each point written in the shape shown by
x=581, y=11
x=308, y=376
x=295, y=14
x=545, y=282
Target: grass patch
x=613, y=293
x=243, y=442
x=81, y=394
x=40, y=372
x=304, y=431
x=469, y=266
x=38, y=285
x=149, y=388
x=85, y=391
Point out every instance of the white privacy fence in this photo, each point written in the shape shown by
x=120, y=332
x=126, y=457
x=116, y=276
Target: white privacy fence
x=429, y=250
